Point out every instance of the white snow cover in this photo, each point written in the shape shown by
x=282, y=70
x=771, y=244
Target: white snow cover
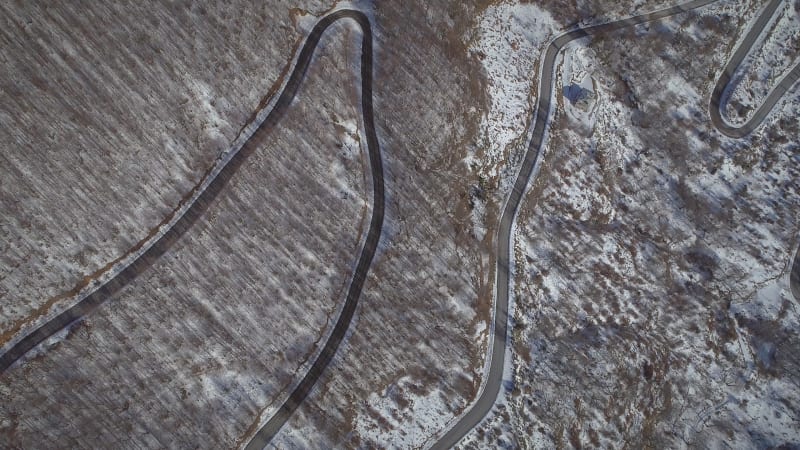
x=772, y=57
x=758, y=286
x=409, y=427
x=510, y=40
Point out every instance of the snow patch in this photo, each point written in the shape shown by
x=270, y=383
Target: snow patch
x=510, y=38
x=402, y=427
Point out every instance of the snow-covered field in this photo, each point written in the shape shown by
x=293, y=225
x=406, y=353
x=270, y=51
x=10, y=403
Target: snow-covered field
x=508, y=41
x=777, y=52
x=652, y=297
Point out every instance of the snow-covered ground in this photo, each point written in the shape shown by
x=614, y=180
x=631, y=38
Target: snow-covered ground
x=509, y=41
x=402, y=417
x=776, y=53
x=651, y=277
x=652, y=299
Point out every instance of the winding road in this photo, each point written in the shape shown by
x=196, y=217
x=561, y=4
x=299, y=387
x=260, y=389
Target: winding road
x=722, y=89
x=491, y=387
x=722, y=92
x=202, y=196
x=274, y=424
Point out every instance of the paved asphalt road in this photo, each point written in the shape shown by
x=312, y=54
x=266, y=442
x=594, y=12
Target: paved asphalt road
x=208, y=190
x=204, y=194
x=274, y=424
x=219, y=180
x=492, y=386
x=794, y=277
x=720, y=94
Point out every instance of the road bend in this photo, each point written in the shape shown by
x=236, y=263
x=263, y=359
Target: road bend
x=723, y=88
x=204, y=194
x=491, y=387
x=265, y=434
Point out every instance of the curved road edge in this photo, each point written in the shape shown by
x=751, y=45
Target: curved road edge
x=794, y=276
x=199, y=199
x=268, y=431
x=196, y=203
x=721, y=89
x=491, y=387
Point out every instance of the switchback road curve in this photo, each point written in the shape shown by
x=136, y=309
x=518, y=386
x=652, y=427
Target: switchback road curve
x=274, y=424
x=722, y=90
x=722, y=93
x=491, y=387
x=202, y=196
